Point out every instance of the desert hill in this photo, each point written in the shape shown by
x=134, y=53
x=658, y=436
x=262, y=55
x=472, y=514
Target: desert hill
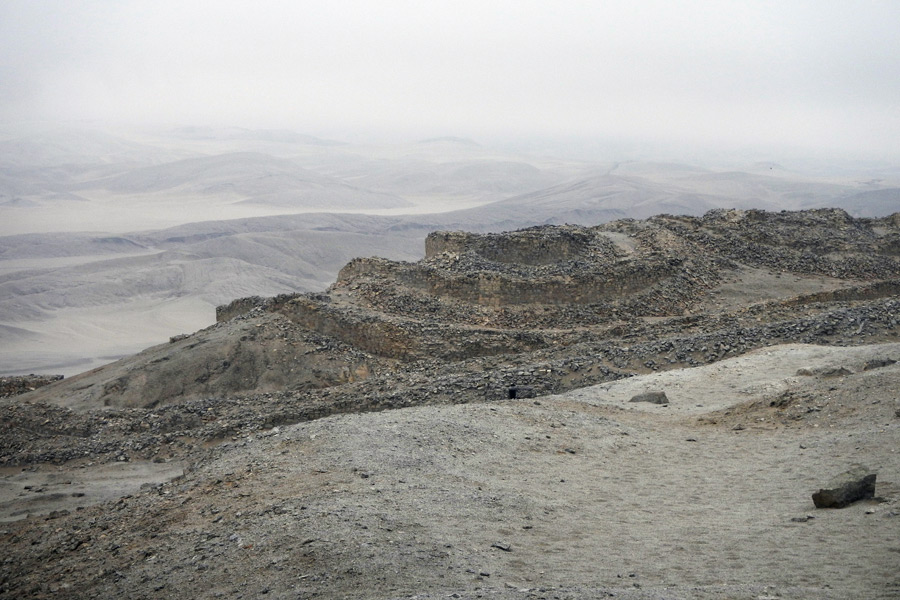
x=465, y=425
x=245, y=177
x=752, y=274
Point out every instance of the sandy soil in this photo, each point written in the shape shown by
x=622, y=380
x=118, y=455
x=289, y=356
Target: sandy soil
x=581, y=495
x=111, y=213
x=80, y=339
x=762, y=373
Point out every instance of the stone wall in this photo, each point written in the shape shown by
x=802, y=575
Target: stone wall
x=498, y=288
x=405, y=339
x=872, y=291
x=364, y=331
x=244, y=306
x=536, y=246
x=359, y=267
x=238, y=307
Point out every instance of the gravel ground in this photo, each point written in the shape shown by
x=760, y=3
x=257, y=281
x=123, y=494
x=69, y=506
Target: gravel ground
x=579, y=495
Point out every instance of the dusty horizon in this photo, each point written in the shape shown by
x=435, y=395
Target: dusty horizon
x=816, y=78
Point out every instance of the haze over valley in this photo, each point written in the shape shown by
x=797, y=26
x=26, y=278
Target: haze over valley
x=113, y=242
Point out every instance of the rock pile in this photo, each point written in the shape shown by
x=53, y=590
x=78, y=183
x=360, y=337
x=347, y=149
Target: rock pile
x=15, y=385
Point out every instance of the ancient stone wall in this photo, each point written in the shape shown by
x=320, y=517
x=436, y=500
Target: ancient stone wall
x=403, y=339
x=495, y=290
x=366, y=332
x=243, y=306
x=535, y=246
x=359, y=267
x=238, y=307
x=873, y=291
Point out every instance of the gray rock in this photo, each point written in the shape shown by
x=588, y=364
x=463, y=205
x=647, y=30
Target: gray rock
x=835, y=372
x=845, y=489
x=651, y=397
x=824, y=372
x=802, y=519
x=878, y=363
x=520, y=391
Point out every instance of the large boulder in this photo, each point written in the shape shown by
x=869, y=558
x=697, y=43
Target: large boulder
x=845, y=489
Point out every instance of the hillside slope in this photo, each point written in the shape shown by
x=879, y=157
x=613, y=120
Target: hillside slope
x=465, y=426
x=566, y=305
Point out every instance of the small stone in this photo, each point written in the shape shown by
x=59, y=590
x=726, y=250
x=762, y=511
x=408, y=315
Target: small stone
x=877, y=363
x=502, y=546
x=802, y=519
x=836, y=372
x=651, y=397
x=845, y=489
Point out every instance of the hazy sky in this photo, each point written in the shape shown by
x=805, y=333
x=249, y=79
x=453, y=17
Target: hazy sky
x=822, y=75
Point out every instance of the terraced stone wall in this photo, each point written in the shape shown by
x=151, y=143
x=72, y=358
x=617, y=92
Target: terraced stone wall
x=405, y=339
x=496, y=289
x=499, y=288
x=243, y=306
x=873, y=291
x=367, y=332
x=529, y=247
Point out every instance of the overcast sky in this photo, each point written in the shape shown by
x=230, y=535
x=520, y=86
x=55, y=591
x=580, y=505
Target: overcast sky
x=820, y=75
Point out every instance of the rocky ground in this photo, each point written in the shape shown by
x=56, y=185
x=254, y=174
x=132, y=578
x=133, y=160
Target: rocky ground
x=259, y=456
x=16, y=385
